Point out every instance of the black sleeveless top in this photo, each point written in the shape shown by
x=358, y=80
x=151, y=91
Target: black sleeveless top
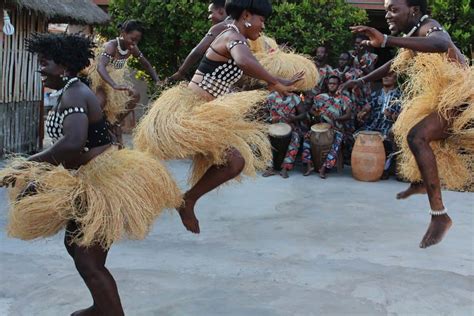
x=97, y=133
x=219, y=76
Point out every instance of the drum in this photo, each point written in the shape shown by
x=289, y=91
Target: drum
x=368, y=156
x=280, y=137
x=322, y=136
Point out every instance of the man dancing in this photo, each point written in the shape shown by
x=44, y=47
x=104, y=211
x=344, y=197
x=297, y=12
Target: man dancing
x=434, y=130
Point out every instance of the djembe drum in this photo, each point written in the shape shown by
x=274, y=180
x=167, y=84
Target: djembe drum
x=280, y=137
x=322, y=136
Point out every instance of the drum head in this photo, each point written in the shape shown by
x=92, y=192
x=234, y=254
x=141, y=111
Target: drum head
x=320, y=127
x=279, y=129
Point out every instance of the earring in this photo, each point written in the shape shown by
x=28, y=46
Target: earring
x=247, y=24
x=64, y=77
x=413, y=14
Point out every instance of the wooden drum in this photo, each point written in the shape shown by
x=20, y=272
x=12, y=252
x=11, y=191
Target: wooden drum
x=368, y=156
x=322, y=136
x=280, y=137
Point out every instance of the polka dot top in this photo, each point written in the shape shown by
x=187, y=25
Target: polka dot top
x=97, y=133
x=218, y=76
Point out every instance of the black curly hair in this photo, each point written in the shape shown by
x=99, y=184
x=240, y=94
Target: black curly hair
x=234, y=8
x=130, y=26
x=72, y=51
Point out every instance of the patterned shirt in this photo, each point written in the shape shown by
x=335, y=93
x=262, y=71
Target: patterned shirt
x=331, y=107
x=324, y=73
x=360, y=96
x=280, y=108
x=382, y=101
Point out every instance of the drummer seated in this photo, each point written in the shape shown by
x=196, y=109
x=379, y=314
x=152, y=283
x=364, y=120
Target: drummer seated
x=290, y=110
x=335, y=109
x=384, y=110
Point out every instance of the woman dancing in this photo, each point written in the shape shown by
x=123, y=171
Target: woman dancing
x=204, y=122
x=110, y=74
x=82, y=182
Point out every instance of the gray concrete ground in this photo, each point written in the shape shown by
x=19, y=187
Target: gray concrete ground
x=269, y=246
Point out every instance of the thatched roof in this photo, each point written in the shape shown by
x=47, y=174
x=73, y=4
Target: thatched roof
x=72, y=11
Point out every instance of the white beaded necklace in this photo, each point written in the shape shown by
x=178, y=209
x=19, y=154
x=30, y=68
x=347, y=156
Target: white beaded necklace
x=66, y=86
x=120, y=50
x=417, y=26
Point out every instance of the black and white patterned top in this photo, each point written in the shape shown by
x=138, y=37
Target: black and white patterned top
x=218, y=77
x=54, y=122
x=97, y=133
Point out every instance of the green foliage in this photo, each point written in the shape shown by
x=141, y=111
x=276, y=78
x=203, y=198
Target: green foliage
x=174, y=27
x=306, y=24
x=457, y=17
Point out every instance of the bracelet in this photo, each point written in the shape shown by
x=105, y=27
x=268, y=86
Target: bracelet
x=384, y=42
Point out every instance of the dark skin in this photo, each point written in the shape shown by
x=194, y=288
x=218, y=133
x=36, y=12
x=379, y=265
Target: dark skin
x=198, y=52
x=216, y=175
x=388, y=83
x=321, y=56
x=89, y=262
x=301, y=114
x=130, y=41
x=401, y=18
x=360, y=51
x=333, y=85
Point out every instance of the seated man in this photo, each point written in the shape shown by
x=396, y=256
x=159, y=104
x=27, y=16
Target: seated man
x=383, y=112
x=385, y=104
x=334, y=109
x=288, y=110
x=359, y=95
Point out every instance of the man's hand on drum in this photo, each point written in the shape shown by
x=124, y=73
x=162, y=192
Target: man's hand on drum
x=375, y=37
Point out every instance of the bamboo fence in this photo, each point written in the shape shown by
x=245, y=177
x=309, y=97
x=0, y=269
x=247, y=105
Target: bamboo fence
x=21, y=91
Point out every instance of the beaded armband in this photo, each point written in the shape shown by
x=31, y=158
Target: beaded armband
x=435, y=29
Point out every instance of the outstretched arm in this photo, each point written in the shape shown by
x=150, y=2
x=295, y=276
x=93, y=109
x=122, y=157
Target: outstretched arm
x=246, y=61
x=198, y=52
x=436, y=42
x=145, y=63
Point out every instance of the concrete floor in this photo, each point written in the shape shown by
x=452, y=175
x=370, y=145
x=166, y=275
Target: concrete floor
x=301, y=246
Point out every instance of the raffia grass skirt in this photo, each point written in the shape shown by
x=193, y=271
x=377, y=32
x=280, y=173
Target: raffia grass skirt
x=117, y=194
x=182, y=125
x=115, y=100
x=436, y=85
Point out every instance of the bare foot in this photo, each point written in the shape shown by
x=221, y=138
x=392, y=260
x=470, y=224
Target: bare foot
x=284, y=173
x=186, y=212
x=414, y=188
x=90, y=311
x=309, y=170
x=269, y=172
x=322, y=172
x=439, y=225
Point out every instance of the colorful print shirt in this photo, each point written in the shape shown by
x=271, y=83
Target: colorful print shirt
x=280, y=108
x=382, y=101
x=331, y=107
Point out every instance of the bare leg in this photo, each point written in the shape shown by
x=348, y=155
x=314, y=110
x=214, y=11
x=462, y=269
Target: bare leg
x=414, y=188
x=214, y=176
x=431, y=128
x=90, y=263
